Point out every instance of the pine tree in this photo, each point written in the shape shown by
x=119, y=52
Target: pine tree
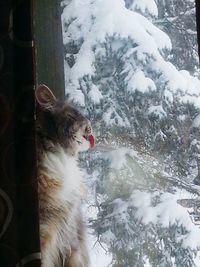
x=143, y=110
x=177, y=19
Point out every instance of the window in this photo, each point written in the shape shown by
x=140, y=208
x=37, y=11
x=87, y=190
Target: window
x=133, y=67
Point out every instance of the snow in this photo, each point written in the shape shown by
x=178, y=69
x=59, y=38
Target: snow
x=145, y=6
x=166, y=213
x=157, y=111
x=84, y=63
x=197, y=259
x=196, y=143
x=161, y=136
x=182, y=117
x=196, y=122
x=92, y=22
x=112, y=117
x=120, y=22
x=146, y=262
x=91, y=26
x=141, y=83
x=192, y=84
x=75, y=94
x=95, y=94
x=117, y=158
x=145, y=212
x=98, y=255
x=178, y=83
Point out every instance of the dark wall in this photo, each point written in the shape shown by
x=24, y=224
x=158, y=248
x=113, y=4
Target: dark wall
x=19, y=227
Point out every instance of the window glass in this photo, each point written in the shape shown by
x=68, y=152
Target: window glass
x=132, y=66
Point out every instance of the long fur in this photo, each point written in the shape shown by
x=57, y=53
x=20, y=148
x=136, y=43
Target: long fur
x=60, y=191
x=61, y=134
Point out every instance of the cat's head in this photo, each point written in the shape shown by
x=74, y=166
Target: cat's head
x=61, y=123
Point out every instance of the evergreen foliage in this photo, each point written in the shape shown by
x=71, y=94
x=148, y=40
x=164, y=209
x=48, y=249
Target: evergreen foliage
x=136, y=87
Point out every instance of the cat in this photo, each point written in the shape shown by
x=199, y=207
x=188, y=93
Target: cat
x=62, y=132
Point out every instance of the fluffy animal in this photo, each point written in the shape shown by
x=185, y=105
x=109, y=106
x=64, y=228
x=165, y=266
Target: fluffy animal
x=62, y=132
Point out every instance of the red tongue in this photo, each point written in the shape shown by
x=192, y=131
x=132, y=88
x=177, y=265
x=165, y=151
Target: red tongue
x=91, y=140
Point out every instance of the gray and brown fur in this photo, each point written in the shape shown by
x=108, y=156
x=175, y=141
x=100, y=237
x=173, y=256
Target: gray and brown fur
x=60, y=128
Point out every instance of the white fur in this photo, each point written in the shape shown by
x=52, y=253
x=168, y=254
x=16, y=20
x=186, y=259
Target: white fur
x=84, y=144
x=64, y=168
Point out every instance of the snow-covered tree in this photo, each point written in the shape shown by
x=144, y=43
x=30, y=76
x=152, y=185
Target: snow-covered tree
x=177, y=19
x=118, y=69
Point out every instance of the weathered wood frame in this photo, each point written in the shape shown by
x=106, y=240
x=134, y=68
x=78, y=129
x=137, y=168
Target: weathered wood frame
x=49, y=45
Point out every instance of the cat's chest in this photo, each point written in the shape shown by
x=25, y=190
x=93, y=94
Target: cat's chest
x=60, y=177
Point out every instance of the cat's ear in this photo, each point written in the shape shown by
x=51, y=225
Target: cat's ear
x=44, y=96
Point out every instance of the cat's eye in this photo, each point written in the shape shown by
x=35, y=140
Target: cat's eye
x=66, y=129
x=88, y=129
